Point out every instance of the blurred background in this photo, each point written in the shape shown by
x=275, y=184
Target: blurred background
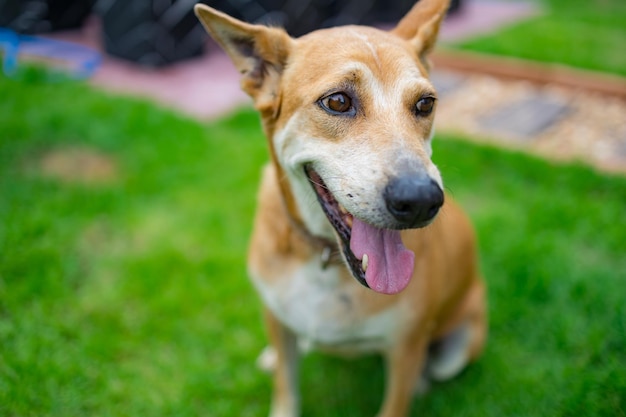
x=129, y=162
x=160, y=32
x=157, y=48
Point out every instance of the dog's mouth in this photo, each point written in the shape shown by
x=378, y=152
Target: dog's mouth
x=376, y=257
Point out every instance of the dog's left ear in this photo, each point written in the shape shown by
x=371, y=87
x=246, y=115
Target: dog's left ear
x=421, y=24
x=259, y=52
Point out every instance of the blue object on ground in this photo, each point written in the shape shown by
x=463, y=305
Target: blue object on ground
x=77, y=60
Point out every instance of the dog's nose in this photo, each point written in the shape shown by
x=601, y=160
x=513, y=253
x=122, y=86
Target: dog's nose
x=413, y=199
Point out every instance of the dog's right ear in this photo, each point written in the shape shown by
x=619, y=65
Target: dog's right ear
x=421, y=24
x=259, y=53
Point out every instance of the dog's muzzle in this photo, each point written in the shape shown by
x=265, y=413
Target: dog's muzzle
x=377, y=256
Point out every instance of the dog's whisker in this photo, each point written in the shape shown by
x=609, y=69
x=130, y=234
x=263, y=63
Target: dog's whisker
x=449, y=189
x=320, y=184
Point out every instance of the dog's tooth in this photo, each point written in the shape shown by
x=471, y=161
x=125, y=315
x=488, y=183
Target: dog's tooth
x=365, y=262
x=342, y=209
x=348, y=220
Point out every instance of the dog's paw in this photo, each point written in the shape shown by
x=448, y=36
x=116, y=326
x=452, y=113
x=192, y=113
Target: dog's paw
x=449, y=355
x=267, y=359
x=422, y=386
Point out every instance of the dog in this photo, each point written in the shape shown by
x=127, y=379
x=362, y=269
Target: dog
x=355, y=248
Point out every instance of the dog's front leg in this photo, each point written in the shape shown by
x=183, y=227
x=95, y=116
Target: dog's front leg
x=285, y=398
x=405, y=363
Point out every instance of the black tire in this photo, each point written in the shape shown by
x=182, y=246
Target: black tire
x=455, y=6
x=149, y=32
x=299, y=17
x=39, y=16
x=296, y=16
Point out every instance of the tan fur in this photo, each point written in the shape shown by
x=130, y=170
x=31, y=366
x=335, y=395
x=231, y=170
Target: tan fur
x=323, y=306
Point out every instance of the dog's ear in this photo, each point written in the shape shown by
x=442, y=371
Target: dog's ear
x=421, y=24
x=259, y=53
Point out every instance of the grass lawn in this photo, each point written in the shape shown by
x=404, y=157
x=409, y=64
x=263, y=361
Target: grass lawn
x=588, y=34
x=127, y=296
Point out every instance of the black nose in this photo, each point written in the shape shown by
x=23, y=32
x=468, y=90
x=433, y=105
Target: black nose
x=413, y=199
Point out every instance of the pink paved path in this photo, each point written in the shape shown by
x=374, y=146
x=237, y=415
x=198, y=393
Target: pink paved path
x=208, y=86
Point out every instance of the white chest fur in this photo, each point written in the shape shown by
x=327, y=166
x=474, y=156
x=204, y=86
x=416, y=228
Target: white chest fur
x=324, y=311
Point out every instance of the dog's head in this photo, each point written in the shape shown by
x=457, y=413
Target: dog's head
x=348, y=113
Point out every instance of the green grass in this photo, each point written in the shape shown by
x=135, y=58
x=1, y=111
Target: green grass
x=131, y=298
x=581, y=33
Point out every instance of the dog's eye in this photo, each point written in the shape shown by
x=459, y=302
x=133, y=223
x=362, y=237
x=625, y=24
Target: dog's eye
x=425, y=106
x=337, y=103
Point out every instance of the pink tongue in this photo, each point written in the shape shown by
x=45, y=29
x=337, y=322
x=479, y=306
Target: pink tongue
x=390, y=264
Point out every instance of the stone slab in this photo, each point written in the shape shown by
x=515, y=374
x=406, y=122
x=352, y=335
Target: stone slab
x=523, y=119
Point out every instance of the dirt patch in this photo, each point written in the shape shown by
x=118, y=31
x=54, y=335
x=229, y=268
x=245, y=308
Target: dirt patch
x=79, y=165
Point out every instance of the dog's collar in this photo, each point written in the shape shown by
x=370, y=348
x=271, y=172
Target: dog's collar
x=330, y=255
x=328, y=250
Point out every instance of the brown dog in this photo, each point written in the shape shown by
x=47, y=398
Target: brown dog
x=340, y=253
